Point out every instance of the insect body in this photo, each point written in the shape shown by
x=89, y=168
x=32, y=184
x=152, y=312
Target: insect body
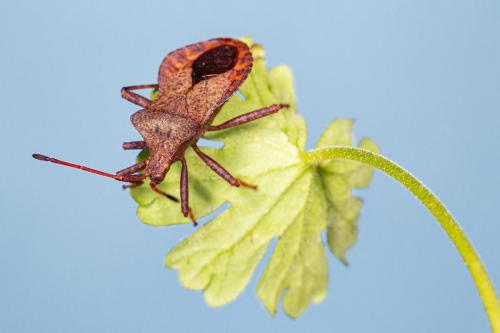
x=194, y=82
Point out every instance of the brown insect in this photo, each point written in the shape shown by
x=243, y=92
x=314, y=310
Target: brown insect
x=194, y=82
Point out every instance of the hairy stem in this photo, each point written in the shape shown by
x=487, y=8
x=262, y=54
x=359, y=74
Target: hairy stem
x=429, y=200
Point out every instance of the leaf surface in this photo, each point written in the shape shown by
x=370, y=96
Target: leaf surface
x=295, y=202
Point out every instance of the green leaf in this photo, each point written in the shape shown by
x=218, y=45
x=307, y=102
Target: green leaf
x=339, y=178
x=296, y=201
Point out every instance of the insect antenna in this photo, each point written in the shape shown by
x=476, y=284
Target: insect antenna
x=120, y=177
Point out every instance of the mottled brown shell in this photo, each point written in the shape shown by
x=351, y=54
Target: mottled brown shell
x=200, y=101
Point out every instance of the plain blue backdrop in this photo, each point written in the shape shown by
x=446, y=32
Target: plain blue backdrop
x=420, y=77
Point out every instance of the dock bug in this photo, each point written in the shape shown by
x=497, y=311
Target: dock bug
x=194, y=82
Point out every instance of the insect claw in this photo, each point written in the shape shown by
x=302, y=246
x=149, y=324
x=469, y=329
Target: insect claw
x=191, y=216
x=247, y=185
x=171, y=197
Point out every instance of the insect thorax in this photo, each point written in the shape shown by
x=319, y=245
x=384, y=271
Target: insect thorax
x=166, y=135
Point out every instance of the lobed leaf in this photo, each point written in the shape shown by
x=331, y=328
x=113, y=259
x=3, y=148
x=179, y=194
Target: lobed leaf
x=339, y=178
x=295, y=202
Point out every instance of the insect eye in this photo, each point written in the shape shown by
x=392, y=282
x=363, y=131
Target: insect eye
x=218, y=60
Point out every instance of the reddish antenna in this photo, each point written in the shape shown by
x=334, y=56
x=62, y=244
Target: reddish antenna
x=124, y=175
x=117, y=176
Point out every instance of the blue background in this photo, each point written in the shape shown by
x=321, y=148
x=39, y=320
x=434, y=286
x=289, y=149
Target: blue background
x=421, y=77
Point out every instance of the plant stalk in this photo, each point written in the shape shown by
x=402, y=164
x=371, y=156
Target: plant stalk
x=432, y=203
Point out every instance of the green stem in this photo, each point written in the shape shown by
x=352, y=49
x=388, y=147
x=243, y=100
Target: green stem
x=429, y=200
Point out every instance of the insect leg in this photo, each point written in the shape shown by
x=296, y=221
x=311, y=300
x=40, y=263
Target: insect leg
x=166, y=195
x=134, y=145
x=132, y=185
x=133, y=168
x=186, y=210
x=130, y=171
x=247, y=117
x=136, y=98
x=220, y=170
